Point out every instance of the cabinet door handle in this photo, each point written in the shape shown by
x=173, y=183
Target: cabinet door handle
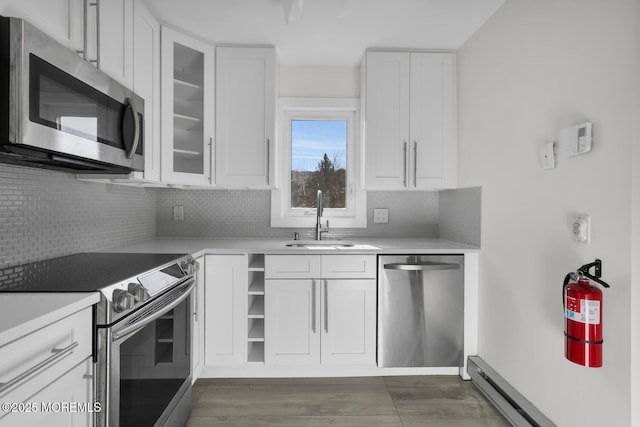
x=313, y=306
x=58, y=353
x=415, y=163
x=406, y=169
x=212, y=158
x=268, y=159
x=326, y=306
x=97, y=60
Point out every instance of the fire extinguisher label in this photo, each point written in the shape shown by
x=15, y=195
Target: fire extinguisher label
x=583, y=311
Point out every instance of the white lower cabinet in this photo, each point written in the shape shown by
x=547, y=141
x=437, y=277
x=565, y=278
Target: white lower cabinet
x=292, y=334
x=45, y=408
x=348, y=322
x=312, y=322
x=225, y=296
x=328, y=321
x=46, y=369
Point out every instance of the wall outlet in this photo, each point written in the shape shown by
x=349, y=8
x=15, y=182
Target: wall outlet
x=381, y=216
x=581, y=228
x=178, y=213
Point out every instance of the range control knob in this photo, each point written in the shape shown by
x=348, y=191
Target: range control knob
x=122, y=300
x=190, y=266
x=139, y=292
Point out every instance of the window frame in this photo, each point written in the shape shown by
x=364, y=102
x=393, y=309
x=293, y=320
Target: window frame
x=354, y=215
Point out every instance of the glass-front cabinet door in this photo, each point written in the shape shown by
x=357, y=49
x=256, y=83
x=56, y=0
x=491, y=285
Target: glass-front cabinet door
x=187, y=109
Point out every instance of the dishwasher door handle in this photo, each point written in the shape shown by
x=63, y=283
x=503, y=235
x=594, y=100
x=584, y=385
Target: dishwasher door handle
x=422, y=266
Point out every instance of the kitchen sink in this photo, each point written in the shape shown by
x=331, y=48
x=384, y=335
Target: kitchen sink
x=318, y=244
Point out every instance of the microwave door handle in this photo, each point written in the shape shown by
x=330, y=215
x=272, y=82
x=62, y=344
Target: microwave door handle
x=136, y=128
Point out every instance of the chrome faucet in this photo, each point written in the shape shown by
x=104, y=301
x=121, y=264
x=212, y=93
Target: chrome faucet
x=319, y=228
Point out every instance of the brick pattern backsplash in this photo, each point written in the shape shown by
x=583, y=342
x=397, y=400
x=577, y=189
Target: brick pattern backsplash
x=246, y=213
x=44, y=214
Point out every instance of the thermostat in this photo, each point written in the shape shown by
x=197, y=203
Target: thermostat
x=576, y=139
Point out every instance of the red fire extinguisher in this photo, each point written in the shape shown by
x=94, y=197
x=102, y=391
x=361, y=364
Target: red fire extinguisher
x=583, y=316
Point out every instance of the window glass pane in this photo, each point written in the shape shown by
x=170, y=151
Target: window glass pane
x=318, y=162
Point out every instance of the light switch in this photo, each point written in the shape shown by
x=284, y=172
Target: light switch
x=380, y=216
x=546, y=152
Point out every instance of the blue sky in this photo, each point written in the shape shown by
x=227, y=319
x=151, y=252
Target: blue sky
x=310, y=139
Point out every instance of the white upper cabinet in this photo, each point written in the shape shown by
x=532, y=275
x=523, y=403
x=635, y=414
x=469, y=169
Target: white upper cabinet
x=61, y=19
x=245, y=116
x=146, y=83
x=107, y=41
x=187, y=108
x=410, y=121
x=115, y=39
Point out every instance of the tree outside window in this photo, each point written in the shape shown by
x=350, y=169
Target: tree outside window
x=311, y=143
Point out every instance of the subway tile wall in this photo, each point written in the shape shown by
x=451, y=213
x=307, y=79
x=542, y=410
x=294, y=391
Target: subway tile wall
x=246, y=213
x=44, y=214
x=460, y=214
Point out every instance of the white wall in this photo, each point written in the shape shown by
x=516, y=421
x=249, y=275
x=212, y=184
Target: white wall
x=635, y=236
x=319, y=81
x=532, y=69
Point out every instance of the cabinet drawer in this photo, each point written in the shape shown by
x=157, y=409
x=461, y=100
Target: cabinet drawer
x=291, y=266
x=74, y=386
x=32, y=362
x=348, y=266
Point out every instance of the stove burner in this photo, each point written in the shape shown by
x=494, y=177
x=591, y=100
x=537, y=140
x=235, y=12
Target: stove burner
x=83, y=272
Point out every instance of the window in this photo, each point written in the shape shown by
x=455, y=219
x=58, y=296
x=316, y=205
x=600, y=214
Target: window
x=318, y=151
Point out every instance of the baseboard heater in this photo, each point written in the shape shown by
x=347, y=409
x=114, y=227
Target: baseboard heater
x=518, y=410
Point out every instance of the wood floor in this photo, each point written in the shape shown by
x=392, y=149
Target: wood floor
x=445, y=401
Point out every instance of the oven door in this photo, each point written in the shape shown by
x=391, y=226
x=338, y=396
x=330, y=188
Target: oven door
x=148, y=364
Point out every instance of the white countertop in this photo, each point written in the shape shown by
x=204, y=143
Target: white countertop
x=23, y=313
x=202, y=246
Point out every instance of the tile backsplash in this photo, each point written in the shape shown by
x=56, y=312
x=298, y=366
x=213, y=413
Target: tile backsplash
x=44, y=214
x=246, y=213
x=460, y=215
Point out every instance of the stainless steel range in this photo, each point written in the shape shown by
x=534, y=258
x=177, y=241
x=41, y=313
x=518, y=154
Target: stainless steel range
x=142, y=329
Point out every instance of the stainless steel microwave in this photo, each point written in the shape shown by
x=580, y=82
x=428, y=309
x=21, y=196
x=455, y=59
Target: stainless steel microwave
x=58, y=111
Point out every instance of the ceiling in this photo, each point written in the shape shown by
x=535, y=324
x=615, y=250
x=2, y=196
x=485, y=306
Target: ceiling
x=329, y=32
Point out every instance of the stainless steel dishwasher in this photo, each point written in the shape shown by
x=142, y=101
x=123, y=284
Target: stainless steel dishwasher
x=420, y=310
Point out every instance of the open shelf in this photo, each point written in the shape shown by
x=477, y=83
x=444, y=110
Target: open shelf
x=256, y=286
x=255, y=352
x=256, y=309
x=256, y=330
x=255, y=314
x=256, y=262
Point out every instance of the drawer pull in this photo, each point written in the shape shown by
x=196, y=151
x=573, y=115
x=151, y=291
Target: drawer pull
x=58, y=353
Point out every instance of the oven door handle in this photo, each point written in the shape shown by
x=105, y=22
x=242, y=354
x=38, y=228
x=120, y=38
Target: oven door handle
x=128, y=330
